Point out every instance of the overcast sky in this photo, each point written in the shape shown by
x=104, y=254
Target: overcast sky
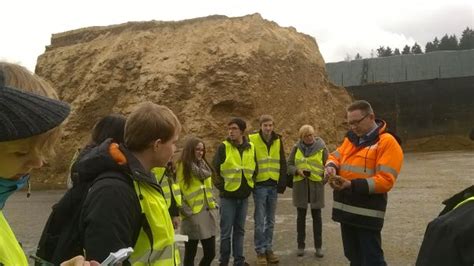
x=341, y=28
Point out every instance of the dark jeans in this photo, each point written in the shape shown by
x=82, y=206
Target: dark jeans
x=208, y=248
x=301, y=227
x=362, y=246
x=233, y=213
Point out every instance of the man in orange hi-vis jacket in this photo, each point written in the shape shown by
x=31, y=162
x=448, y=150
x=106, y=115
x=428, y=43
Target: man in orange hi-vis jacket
x=362, y=171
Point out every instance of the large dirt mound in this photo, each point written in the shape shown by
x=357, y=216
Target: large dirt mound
x=206, y=70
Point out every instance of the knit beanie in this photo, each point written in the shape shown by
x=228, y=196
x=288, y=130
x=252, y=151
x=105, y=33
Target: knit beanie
x=239, y=122
x=25, y=114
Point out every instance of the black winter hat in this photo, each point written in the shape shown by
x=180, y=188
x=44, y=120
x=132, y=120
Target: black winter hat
x=239, y=122
x=25, y=114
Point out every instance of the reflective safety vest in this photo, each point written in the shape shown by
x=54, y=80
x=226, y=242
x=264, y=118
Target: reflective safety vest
x=170, y=189
x=10, y=250
x=197, y=192
x=268, y=160
x=157, y=246
x=313, y=163
x=234, y=165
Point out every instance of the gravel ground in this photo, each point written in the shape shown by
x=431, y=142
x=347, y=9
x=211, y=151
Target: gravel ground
x=426, y=180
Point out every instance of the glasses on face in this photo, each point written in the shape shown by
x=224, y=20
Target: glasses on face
x=357, y=122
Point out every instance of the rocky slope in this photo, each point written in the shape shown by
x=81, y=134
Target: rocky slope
x=206, y=70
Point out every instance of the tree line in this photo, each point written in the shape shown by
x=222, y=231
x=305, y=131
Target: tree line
x=445, y=43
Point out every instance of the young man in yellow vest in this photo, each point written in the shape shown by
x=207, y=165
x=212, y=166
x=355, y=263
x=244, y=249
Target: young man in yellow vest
x=271, y=179
x=234, y=163
x=129, y=209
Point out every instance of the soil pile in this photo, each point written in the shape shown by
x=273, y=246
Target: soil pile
x=206, y=70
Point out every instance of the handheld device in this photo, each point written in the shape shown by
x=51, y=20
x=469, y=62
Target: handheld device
x=117, y=257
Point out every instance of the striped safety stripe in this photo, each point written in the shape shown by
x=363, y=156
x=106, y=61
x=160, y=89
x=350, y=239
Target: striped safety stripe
x=358, y=210
x=268, y=169
x=357, y=169
x=371, y=184
x=387, y=169
x=268, y=160
x=163, y=254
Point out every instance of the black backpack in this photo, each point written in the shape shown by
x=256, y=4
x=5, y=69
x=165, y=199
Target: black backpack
x=61, y=239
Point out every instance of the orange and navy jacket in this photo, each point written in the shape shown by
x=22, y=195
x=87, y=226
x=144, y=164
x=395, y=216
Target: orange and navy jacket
x=372, y=167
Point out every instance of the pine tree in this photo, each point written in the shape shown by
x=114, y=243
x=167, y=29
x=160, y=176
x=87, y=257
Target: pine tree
x=416, y=49
x=406, y=50
x=396, y=52
x=448, y=43
x=429, y=47
x=467, y=39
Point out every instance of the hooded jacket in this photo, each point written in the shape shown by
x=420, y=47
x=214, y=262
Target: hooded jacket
x=449, y=239
x=111, y=216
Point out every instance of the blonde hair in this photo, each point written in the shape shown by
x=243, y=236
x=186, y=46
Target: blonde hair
x=148, y=123
x=305, y=130
x=20, y=78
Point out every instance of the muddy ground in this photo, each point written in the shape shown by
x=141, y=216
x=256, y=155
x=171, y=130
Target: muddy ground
x=426, y=179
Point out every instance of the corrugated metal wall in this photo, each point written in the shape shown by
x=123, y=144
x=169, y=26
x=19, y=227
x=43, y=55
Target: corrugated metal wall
x=442, y=64
x=424, y=108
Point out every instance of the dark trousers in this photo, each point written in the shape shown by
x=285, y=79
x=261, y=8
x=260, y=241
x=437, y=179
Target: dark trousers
x=362, y=246
x=208, y=248
x=301, y=227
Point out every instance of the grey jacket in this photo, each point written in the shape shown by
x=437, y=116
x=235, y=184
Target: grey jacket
x=307, y=191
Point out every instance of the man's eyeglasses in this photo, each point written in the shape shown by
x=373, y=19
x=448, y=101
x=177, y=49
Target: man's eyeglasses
x=357, y=122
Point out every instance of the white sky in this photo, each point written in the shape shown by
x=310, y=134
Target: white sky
x=341, y=28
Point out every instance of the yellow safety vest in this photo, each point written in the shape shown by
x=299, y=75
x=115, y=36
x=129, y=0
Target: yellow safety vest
x=313, y=163
x=268, y=161
x=234, y=165
x=197, y=192
x=10, y=250
x=162, y=252
x=170, y=189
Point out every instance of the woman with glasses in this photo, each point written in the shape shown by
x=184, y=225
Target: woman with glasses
x=198, y=204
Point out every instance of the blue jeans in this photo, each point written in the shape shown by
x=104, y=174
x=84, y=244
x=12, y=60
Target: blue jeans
x=233, y=213
x=362, y=247
x=265, y=198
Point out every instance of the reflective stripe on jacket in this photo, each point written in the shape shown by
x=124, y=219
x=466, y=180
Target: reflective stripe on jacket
x=235, y=166
x=268, y=160
x=372, y=167
x=156, y=245
x=313, y=163
x=170, y=189
x=10, y=251
x=463, y=202
x=197, y=192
